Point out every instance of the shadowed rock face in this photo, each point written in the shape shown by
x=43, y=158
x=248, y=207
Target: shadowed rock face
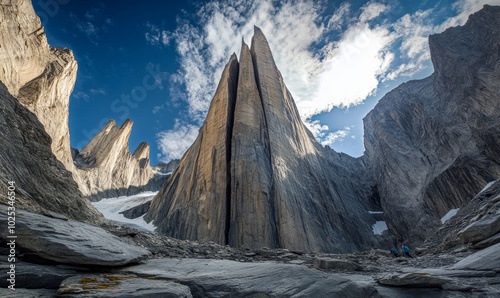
x=42, y=183
x=42, y=79
x=39, y=76
x=433, y=144
x=256, y=177
x=193, y=203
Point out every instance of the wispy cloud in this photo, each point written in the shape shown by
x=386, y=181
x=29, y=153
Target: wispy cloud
x=174, y=143
x=98, y=91
x=156, y=37
x=80, y=95
x=92, y=22
x=336, y=136
x=322, y=66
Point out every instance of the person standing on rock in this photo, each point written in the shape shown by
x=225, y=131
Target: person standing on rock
x=406, y=252
x=395, y=252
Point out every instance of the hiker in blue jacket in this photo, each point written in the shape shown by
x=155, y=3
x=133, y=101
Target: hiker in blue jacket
x=406, y=252
x=395, y=252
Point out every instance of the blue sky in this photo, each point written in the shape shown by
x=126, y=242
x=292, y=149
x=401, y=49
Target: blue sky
x=159, y=62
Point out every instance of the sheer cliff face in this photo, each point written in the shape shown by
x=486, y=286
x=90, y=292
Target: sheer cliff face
x=255, y=177
x=40, y=77
x=432, y=144
x=107, y=168
x=42, y=183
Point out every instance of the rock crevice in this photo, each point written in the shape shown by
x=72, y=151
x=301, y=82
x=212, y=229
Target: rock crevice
x=276, y=186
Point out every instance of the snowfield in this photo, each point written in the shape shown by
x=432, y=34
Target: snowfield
x=111, y=208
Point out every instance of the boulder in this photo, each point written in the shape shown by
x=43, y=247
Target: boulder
x=36, y=276
x=70, y=242
x=486, y=259
x=223, y=278
x=413, y=280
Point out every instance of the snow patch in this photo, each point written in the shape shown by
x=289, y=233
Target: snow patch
x=488, y=186
x=161, y=173
x=449, y=215
x=376, y=212
x=379, y=227
x=111, y=208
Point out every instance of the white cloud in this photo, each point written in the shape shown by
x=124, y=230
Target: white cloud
x=174, y=143
x=371, y=10
x=98, y=91
x=340, y=17
x=80, y=95
x=323, y=67
x=336, y=136
x=156, y=37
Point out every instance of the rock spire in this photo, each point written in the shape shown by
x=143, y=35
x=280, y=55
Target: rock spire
x=256, y=177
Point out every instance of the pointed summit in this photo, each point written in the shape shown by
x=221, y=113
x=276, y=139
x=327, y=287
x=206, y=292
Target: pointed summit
x=107, y=166
x=142, y=151
x=201, y=181
x=255, y=177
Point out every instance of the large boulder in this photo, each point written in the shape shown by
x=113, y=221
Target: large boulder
x=486, y=259
x=222, y=278
x=69, y=242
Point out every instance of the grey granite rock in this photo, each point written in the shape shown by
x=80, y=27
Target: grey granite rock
x=432, y=144
x=222, y=278
x=486, y=259
x=109, y=169
x=413, y=280
x=256, y=177
x=36, y=276
x=193, y=203
x=336, y=264
x=42, y=183
x=26, y=293
x=40, y=77
x=475, y=224
x=119, y=285
x=70, y=242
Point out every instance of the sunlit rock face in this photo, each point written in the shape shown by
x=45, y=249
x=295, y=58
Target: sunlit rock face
x=38, y=181
x=432, y=144
x=107, y=167
x=256, y=177
x=40, y=77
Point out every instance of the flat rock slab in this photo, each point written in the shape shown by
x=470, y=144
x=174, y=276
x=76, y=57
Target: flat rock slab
x=71, y=242
x=25, y=293
x=336, y=264
x=446, y=272
x=35, y=276
x=413, y=280
x=224, y=278
x=484, y=260
x=114, y=285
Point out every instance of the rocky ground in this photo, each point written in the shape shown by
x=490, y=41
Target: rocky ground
x=119, y=261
